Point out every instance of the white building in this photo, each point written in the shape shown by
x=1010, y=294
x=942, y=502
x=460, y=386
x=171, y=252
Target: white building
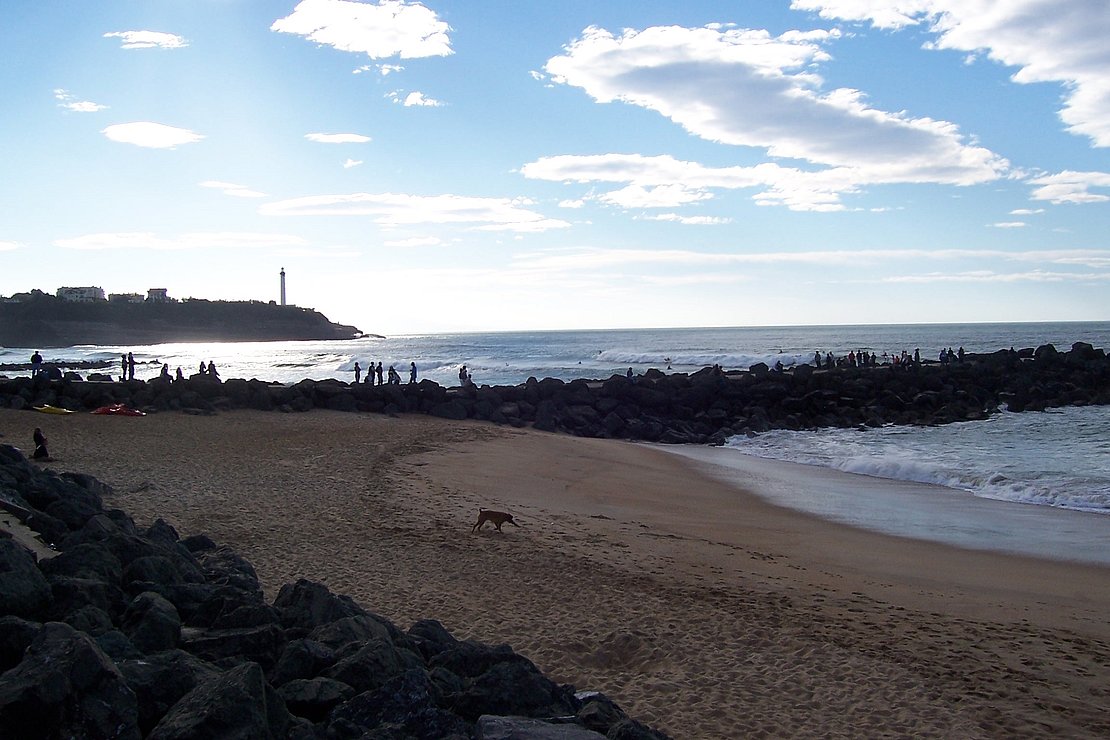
x=81, y=295
x=157, y=295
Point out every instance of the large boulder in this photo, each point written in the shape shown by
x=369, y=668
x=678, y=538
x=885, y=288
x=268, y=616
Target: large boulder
x=24, y=592
x=161, y=679
x=308, y=605
x=152, y=623
x=64, y=687
x=235, y=704
x=403, y=707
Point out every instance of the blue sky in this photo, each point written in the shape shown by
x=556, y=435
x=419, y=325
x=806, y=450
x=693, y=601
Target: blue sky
x=462, y=166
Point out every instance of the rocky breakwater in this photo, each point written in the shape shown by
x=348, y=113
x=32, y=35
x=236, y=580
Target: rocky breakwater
x=109, y=630
x=705, y=407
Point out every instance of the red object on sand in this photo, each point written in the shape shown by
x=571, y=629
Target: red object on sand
x=118, y=409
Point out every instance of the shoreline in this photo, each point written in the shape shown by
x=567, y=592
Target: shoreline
x=697, y=606
x=912, y=510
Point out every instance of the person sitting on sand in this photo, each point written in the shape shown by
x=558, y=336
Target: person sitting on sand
x=40, y=446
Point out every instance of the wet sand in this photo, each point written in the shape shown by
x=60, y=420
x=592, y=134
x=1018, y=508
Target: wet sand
x=699, y=607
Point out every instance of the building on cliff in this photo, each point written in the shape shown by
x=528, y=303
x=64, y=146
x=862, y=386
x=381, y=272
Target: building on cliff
x=89, y=294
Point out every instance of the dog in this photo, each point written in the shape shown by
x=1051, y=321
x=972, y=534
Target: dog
x=496, y=517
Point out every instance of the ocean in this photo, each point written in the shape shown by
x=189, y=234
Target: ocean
x=1055, y=460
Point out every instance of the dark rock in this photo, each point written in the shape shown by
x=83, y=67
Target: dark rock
x=117, y=646
x=357, y=629
x=371, y=665
x=301, y=658
x=70, y=594
x=260, y=645
x=87, y=560
x=16, y=635
x=91, y=620
x=224, y=566
x=314, y=698
x=152, y=623
x=514, y=688
x=24, y=592
x=65, y=686
x=236, y=704
x=630, y=729
x=403, y=707
x=161, y=679
x=198, y=543
x=309, y=605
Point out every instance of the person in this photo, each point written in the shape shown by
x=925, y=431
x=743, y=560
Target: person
x=817, y=359
x=130, y=366
x=40, y=445
x=358, y=373
x=412, y=373
x=203, y=368
x=629, y=375
x=370, y=373
x=165, y=371
x=379, y=373
x=36, y=363
x=462, y=375
x=123, y=367
x=180, y=375
x=212, y=371
x=394, y=377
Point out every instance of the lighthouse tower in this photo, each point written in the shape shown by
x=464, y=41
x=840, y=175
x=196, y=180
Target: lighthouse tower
x=283, y=286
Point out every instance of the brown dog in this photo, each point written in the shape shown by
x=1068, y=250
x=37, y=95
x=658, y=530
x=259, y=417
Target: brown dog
x=496, y=517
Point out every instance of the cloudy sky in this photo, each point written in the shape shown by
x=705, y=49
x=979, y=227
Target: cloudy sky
x=455, y=165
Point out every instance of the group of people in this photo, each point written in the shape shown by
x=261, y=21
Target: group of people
x=863, y=358
x=392, y=377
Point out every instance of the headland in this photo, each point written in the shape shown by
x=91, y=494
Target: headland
x=40, y=320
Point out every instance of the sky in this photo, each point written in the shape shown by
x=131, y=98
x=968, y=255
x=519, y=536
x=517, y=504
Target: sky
x=502, y=165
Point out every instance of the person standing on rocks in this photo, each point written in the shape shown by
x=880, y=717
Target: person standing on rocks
x=130, y=366
x=412, y=373
x=358, y=373
x=379, y=372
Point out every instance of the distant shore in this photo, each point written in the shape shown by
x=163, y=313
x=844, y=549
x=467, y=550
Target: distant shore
x=698, y=607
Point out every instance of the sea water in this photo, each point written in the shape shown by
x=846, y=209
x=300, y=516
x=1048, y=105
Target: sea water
x=1056, y=459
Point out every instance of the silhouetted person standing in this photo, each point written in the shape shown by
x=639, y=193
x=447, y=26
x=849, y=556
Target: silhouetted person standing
x=130, y=366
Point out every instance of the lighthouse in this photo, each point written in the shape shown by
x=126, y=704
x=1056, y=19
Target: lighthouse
x=283, y=286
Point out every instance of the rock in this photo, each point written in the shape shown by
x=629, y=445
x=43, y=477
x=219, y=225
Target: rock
x=314, y=698
x=514, y=688
x=161, y=679
x=372, y=665
x=70, y=594
x=516, y=728
x=403, y=707
x=349, y=630
x=86, y=560
x=309, y=605
x=65, y=686
x=300, y=659
x=16, y=635
x=152, y=623
x=260, y=645
x=236, y=704
x=91, y=620
x=24, y=592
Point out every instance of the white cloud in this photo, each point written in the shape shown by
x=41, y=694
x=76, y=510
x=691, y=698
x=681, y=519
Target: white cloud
x=10, y=246
x=71, y=103
x=1061, y=41
x=988, y=276
x=689, y=220
x=393, y=209
x=385, y=29
x=195, y=240
x=414, y=98
x=338, y=138
x=151, y=135
x=148, y=40
x=416, y=241
x=665, y=182
x=746, y=88
x=572, y=203
x=229, y=188
x=1009, y=225
x=349, y=163
x=1071, y=187
x=1026, y=211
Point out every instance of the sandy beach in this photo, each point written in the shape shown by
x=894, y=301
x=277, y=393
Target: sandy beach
x=700, y=608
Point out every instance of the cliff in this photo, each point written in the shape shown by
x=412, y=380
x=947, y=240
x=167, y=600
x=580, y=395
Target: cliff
x=46, y=321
